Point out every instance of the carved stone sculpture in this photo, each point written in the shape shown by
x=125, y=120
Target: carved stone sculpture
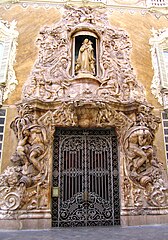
x=85, y=61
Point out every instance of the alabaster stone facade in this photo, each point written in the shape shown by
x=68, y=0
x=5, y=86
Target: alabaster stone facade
x=82, y=67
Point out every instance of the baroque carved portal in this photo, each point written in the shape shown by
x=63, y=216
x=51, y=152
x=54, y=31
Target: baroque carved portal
x=70, y=88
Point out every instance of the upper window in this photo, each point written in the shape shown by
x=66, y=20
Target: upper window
x=2, y=126
x=165, y=132
x=156, y=3
x=165, y=56
x=159, y=50
x=8, y=43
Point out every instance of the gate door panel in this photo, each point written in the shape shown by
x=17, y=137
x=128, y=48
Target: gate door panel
x=85, y=170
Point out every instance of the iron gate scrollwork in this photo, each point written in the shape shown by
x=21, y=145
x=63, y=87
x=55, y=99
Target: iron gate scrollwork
x=85, y=169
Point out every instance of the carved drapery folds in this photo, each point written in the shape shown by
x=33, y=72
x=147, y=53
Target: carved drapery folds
x=111, y=96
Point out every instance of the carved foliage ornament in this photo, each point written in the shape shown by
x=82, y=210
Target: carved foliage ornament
x=26, y=184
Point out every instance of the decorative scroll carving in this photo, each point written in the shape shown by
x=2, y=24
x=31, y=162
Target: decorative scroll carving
x=107, y=116
x=11, y=192
x=28, y=179
x=25, y=185
x=65, y=115
x=22, y=184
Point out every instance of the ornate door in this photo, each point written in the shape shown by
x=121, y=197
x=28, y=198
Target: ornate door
x=86, y=178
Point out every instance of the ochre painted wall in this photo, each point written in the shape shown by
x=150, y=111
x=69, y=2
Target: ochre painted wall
x=29, y=22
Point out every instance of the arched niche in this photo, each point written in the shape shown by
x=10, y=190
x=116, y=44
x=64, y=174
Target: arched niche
x=78, y=39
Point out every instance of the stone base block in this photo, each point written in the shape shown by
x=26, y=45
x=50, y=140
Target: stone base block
x=144, y=220
x=25, y=224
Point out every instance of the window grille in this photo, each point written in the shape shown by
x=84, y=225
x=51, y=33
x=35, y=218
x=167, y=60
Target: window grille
x=2, y=128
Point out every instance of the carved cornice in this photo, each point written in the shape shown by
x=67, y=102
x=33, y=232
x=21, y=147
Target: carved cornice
x=111, y=3
x=118, y=3
x=121, y=7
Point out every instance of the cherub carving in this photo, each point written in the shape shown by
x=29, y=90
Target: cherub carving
x=109, y=88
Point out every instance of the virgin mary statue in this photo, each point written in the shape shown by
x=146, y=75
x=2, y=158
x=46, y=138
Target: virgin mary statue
x=85, y=62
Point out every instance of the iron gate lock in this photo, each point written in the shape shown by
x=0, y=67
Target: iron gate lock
x=55, y=192
x=85, y=196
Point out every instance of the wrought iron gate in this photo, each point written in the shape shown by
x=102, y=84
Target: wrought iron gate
x=85, y=177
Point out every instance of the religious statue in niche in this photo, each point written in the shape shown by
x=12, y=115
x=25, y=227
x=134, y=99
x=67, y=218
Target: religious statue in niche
x=85, y=62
